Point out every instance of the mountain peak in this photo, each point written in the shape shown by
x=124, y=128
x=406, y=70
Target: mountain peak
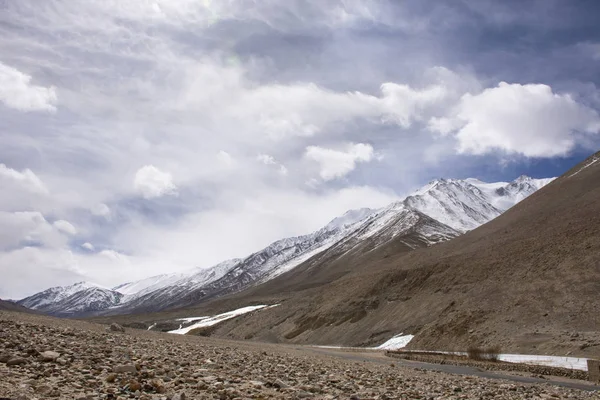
x=348, y=218
x=523, y=179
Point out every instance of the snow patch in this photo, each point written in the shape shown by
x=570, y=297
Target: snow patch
x=397, y=342
x=592, y=161
x=191, y=319
x=210, y=321
x=549, y=361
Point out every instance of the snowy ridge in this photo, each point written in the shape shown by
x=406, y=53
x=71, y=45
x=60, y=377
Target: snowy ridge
x=79, y=298
x=439, y=211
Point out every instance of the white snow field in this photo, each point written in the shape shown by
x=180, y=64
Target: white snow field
x=549, y=361
x=210, y=321
x=397, y=342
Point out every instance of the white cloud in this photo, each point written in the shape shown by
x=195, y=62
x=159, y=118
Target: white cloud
x=100, y=210
x=65, y=227
x=529, y=120
x=38, y=269
x=88, y=246
x=16, y=91
x=23, y=191
x=26, y=179
x=257, y=218
x=266, y=159
x=338, y=163
x=225, y=158
x=151, y=182
x=270, y=160
x=28, y=228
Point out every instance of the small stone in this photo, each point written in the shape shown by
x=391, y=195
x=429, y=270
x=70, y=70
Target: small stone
x=49, y=356
x=125, y=369
x=158, y=385
x=4, y=358
x=114, y=327
x=16, y=361
x=134, y=386
x=43, y=389
x=279, y=384
x=111, y=378
x=179, y=396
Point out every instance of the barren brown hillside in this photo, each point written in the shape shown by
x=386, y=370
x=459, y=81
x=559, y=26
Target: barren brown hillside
x=528, y=281
x=8, y=306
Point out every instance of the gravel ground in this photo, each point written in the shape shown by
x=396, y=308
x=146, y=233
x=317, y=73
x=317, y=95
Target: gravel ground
x=50, y=358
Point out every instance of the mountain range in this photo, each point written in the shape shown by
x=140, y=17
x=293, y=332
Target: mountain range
x=528, y=281
x=438, y=212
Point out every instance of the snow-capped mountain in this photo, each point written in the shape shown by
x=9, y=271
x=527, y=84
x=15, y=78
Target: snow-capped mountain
x=439, y=211
x=236, y=275
x=77, y=299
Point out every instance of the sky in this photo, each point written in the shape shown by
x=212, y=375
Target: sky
x=143, y=137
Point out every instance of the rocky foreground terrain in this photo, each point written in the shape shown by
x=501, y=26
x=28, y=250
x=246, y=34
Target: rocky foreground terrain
x=43, y=358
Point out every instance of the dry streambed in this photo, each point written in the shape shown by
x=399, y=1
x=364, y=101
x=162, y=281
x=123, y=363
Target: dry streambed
x=48, y=358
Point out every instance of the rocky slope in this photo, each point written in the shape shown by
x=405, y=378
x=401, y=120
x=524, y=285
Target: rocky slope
x=441, y=210
x=527, y=281
x=10, y=306
x=67, y=359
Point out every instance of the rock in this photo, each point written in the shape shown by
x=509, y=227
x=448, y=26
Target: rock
x=111, y=378
x=43, y=389
x=4, y=358
x=50, y=356
x=279, y=384
x=16, y=361
x=158, y=385
x=114, y=327
x=125, y=369
x=134, y=386
x=179, y=396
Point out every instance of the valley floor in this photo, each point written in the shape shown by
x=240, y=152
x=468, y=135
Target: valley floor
x=44, y=357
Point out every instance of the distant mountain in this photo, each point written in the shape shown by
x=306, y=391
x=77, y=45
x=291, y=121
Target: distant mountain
x=439, y=211
x=528, y=281
x=7, y=305
x=75, y=300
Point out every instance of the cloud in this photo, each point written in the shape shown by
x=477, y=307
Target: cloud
x=270, y=160
x=530, y=120
x=38, y=269
x=29, y=228
x=65, y=227
x=150, y=182
x=88, y=246
x=338, y=163
x=16, y=91
x=266, y=159
x=100, y=210
x=225, y=158
x=179, y=116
